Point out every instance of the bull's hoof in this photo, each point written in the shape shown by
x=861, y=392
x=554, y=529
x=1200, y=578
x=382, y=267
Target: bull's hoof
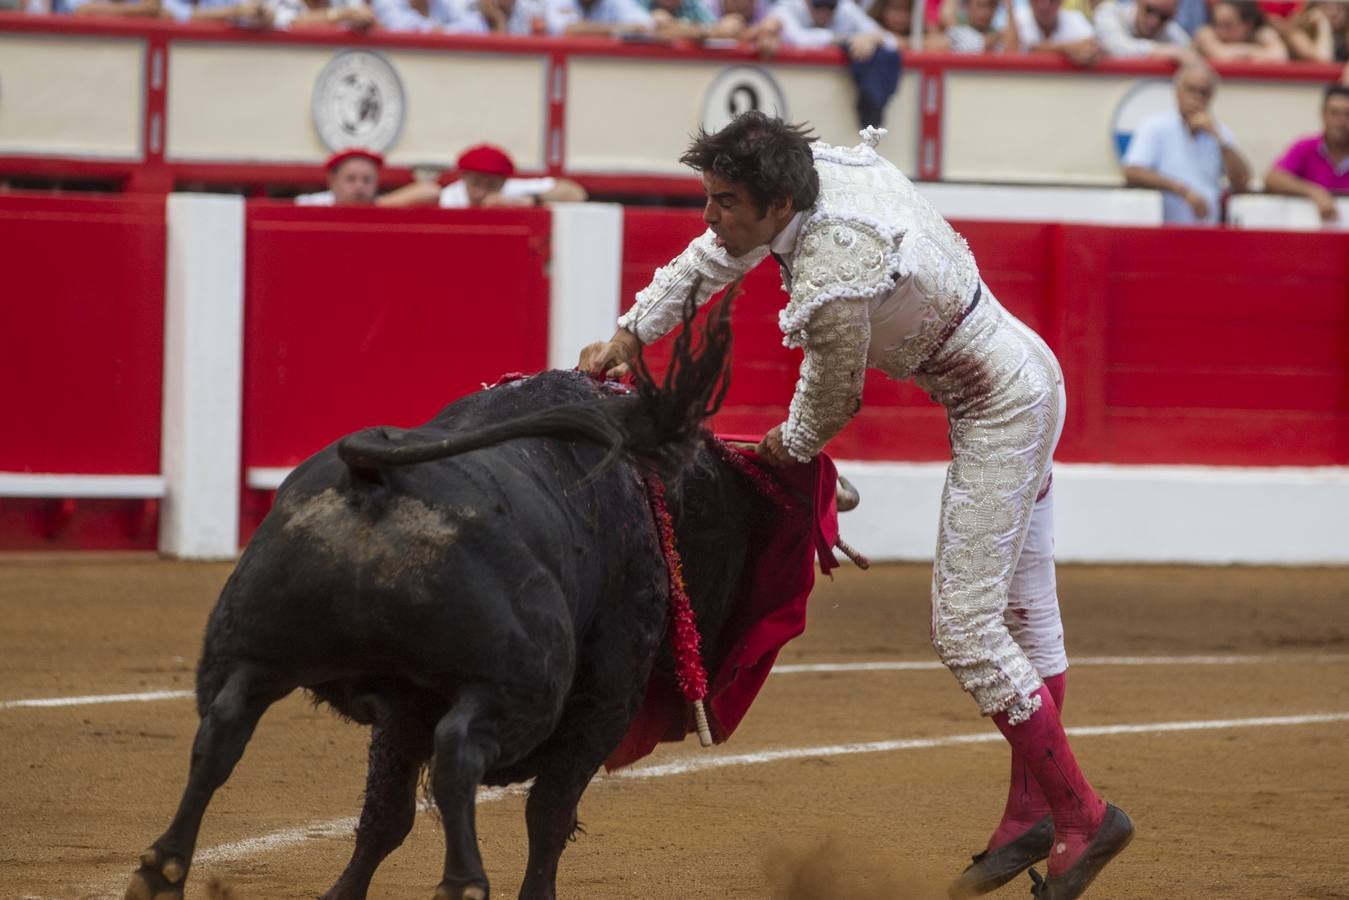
x=160, y=877
x=461, y=892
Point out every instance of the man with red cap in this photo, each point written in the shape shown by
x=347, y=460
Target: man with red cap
x=487, y=178
x=353, y=179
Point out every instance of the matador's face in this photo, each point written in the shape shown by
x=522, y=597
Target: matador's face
x=734, y=218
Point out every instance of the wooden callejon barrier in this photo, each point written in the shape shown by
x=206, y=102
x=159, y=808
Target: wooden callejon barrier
x=197, y=354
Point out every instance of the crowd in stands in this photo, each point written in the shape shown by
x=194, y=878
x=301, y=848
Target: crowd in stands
x=1080, y=30
x=1186, y=154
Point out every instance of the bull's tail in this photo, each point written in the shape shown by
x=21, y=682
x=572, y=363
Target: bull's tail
x=659, y=421
x=386, y=448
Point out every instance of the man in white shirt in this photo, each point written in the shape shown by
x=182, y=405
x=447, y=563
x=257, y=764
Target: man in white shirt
x=418, y=16
x=1186, y=152
x=486, y=178
x=826, y=23
x=603, y=17
x=1145, y=28
x=353, y=180
x=1043, y=26
x=519, y=17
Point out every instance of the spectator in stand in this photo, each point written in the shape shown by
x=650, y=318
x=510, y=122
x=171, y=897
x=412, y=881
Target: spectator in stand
x=1319, y=33
x=353, y=180
x=873, y=52
x=1185, y=153
x=1141, y=28
x=349, y=15
x=1043, y=26
x=243, y=13
x=420, y=16
x=742, y=20
x=896, y=17
x=487, y=178
x=120, y=8
x=598, y=17
x=1192, y=15
x=1239, y=32
x=518, y=17
x=747, y=12
x=1317, y=167
x=974, y=31
x=687, y=19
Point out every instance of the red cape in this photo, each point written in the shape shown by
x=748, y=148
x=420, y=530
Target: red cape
x=769, y=613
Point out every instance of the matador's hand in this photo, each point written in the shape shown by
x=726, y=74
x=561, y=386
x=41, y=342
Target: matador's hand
x=610, y=358
x=771, y=449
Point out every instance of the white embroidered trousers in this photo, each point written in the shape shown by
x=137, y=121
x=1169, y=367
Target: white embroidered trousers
x=995, y=613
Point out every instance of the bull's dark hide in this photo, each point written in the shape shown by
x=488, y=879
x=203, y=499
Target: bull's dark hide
x=485, y=589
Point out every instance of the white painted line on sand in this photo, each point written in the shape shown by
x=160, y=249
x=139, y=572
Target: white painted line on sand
x=343, y=827
x=933, y=665
x=703, y=763
x=143, y=697
x=811, y=668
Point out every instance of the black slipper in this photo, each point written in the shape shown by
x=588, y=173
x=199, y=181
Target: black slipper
x=1113, y=836
x=994, y=868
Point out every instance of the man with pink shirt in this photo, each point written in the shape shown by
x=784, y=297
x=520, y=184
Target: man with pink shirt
x=1317, y=167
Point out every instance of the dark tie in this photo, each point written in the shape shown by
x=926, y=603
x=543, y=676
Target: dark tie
x=786, y=269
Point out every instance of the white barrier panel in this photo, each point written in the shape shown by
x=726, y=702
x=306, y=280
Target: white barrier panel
x=587, y=260
x=1014, y=203
x=203, y=377
x=662, y=103
x=1059, y=128
x=71, y=96
x=1277, y=213
x=1130, y=514
x=230, y=102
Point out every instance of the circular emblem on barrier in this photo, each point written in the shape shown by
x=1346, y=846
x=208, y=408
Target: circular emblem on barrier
x=739, y=89
x=358, y=102
x=1143, y=100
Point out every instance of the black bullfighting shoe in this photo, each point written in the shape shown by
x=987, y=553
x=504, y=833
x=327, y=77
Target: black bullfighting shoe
x=994, y=868
x=1115, y=833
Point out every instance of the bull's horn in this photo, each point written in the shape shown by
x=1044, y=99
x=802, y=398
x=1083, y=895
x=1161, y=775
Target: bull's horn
x=845, y=495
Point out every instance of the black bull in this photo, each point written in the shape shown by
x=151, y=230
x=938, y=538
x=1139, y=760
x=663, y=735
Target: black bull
x=488, y=592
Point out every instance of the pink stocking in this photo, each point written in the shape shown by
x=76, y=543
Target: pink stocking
x=1077, y=808
x=1026, y=803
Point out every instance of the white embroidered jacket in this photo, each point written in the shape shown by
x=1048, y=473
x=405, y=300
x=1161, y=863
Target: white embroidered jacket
x=878, y=278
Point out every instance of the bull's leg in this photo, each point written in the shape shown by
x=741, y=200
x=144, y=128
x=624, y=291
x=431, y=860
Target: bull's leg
x=398, y=747
x=604, y=699
x=466, y=747
x=550, y=815
x=224, y=731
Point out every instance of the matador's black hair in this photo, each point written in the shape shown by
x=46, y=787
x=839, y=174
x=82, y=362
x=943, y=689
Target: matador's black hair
x=769, y=156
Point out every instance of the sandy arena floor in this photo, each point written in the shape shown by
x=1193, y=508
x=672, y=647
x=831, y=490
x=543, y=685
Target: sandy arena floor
x=1239, y=790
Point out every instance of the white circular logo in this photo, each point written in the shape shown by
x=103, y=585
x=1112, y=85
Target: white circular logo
x=1143, y=100
x=358, y=102
x=740, y=89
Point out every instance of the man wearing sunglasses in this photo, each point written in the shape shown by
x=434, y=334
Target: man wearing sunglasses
x=1145, y=28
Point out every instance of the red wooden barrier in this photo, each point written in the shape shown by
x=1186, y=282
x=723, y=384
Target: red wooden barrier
x=81, y=350
x=357, y=317
x=81, y=361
